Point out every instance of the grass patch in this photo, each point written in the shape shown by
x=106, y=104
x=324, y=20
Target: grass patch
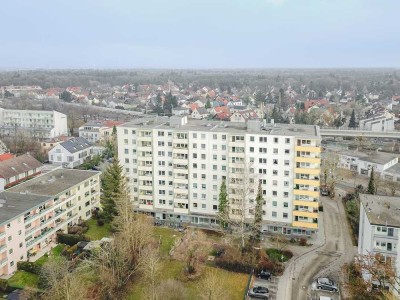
x=56, y=251
x=167, y=237
x=234, y=283
x=96, y=232
x=278, y=255
x=23, y=279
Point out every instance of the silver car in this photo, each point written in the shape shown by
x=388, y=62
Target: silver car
x=324, y=284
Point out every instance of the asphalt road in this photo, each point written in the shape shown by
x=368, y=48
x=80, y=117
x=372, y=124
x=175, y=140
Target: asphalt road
x=325, y=260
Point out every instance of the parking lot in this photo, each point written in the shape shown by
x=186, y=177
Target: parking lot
x=272, y=286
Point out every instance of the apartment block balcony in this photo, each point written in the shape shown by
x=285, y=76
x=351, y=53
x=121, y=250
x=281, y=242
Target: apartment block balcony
x=311, y=171
x=313, y=182
x=300, y=224
x=181, y=210
x=305, y=213
x=3, y=247
x=3, y=262
x=180, y=150
x=2, y=234
x=36, y=239
x=306, y=148
x=312, y=160
x=311, y=193
x=313, y=204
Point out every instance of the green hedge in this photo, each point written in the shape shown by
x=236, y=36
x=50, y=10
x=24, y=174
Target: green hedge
x=71, y=239
x=28, y=267
x=3, y=285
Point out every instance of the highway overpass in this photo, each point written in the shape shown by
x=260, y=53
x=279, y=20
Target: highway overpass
x=354, y=133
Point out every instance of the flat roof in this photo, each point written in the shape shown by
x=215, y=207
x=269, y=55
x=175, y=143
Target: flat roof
x=376, y=157
x=382, y=210
x=395, y=169
x=297, y=130
x=14, y=204
x=53, y=182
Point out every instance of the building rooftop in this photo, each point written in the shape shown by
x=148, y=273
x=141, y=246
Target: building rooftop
x=395, y=169
x=375, y=157
x=18, y=165
x=53, y=182
x=76, y=144
x=253, y=126
x=14, y=204
x=382, y=210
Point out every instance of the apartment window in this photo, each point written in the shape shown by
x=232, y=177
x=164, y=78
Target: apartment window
x=203, y=186
x=215, y=147
x=195, y=205
x=262, y=150
x=161, y=153
x=251, y=138
x=161, y=144
x=161, y=182
x=223, y=168
x=252, y=149
x=19, y=231
x=194, y=155
x=194, y=146
x=285, y=215
x=274, y=203
x=262, y=160
x=87, y=213
x=275, y=161
x=10, y=238
x=125, y=131
x=125, y=141
x=203, y=136
x=223, y=147
x=215, y=207
x=286, y=162
x=274, y=193
x=203, y=156
x=161, y=192
x=262, y=171
x=274, y=182
x=203, y=206
x=286, y=173
x=161, y=173
x=275, y=172
x=285, y=204
x=223, y=157
x=161, y=163
x=224, y=137
x=195, y=135
x=203, y=196
x=214, y=137
x=194, y=175
x=161, y=201
x=160, y=133
x=287, y=140
x=10, y=251
x=126, y=151
x=276, y=140
x=20, y=245
x=12, y=264
x=287, y=151
x=194, y=165
x=264, y=181
x=215, y=187
x=133, y=131
x=203, y=146
x=274, y=214
x=214, y=157
x=251, y=159
x=194, y=195
x=215, y=167
x=203, y=176
x=263, y=139
x=285, y=194
x=195, y=185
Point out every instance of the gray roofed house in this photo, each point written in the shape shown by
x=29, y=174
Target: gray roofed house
x=71, y=153
x=17, y=169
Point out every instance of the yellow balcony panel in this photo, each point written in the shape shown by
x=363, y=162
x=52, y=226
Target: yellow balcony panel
x=307, y=182
x=306, y=193
x=311, y=160
x=181, y=210
x=181, y=190
x=305, y=225
x=307, y=214
x=310, y=171
x=308, y=149
x=305, y=203
x=180, y=150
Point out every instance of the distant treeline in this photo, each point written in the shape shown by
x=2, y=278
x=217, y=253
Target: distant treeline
x=386, y=81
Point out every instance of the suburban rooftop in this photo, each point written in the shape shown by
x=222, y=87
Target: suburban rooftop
x=382, y=210
x=375, y=157
x=53, y=182
x=252, y=126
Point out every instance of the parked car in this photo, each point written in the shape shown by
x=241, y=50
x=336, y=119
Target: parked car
x=264, y=274
x=259, y=292
x=324, y=284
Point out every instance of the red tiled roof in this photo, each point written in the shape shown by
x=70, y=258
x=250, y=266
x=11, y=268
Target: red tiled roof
x=6, y=156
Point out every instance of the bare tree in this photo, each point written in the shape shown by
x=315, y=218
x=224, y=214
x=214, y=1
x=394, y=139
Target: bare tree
x=211, y=287
x=330, y=166
x=151, y=272
x=172, y=289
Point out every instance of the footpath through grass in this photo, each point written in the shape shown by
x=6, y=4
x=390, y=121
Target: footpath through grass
x=96, y=232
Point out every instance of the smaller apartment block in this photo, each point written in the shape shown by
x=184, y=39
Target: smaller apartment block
x=32, y=212
x=17, y=169
x=37, y=123
x=97, y=131
x=379, y=230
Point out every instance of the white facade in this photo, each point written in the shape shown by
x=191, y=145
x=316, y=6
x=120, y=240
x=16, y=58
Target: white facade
x=382, y=123
x=70, y=157
x=39, y=123
x=363, y=163
x=175, y=170
x=34, y=211
x=379, y=230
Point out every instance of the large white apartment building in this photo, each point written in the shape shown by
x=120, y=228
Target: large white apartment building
x=32, y=212
x=379, y=230
x=175, y=169
x=38, y=123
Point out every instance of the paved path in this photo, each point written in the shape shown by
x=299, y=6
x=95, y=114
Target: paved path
x=324, y=259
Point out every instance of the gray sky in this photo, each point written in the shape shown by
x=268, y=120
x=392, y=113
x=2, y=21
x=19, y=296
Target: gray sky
x=199, y=33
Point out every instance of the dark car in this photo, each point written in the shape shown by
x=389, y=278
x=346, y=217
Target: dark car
x=264, y=274
x=324, y=284
x=258, y=292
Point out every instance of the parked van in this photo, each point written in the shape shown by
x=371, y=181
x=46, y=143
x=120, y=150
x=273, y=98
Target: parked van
x=324, y=298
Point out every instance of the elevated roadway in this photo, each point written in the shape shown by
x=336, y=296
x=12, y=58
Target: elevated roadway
x=354, y=133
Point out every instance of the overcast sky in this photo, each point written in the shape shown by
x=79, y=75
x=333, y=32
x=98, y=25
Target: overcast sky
x=199, y=33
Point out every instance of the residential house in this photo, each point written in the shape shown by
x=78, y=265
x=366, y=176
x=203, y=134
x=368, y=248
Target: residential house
x=243, y=116
x=71, y=153
x=180, y=111
x=31, y=213
x=200, y=113
x=379, y=231
x=17, y=169
x=49, y=144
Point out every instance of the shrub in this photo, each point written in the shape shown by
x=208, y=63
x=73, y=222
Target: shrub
x=100, y=222
x=287, y=253
x=303, y=241
x=28, y=267
x=276, y=255
x=3, y=285
x=233, y=260
x=70, y=239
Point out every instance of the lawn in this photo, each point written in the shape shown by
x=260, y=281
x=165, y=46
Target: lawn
x=23, y=279
x=235, y=283
x=167, y=237
x=278, y=255
x=97, y=232
x=56, y=251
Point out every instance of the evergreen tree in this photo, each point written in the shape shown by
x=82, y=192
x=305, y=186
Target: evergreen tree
x=223, y=205
x=257, y=223
x=371, y=184
x=114, y=187
x=276, y=115
x=208, y=104
x=114, y=131
x=352, y=122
